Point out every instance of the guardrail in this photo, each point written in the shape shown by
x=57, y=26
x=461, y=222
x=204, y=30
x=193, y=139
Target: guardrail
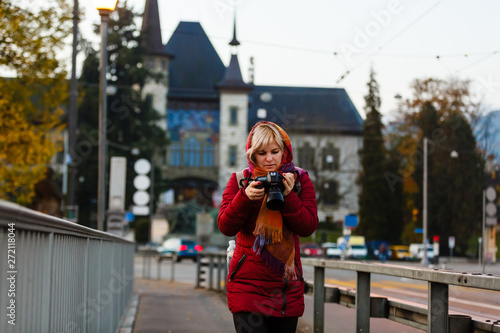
x=435, y=318
x=58, y=276
x=213, y=261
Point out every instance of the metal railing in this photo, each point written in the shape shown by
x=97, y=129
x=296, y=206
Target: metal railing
x=435, y=318
x=208, y=263
x=58, y=276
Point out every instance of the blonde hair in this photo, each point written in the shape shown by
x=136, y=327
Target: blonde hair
x=263, y=135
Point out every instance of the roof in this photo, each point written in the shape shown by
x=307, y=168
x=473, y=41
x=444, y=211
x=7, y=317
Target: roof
x=196, y=68
x=305, y=109
x=151, y=31
x=232, y=77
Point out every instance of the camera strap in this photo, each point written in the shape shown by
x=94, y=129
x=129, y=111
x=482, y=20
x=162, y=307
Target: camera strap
x=241, y=179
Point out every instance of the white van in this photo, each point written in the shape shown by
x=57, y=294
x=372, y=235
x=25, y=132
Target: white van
x=417, y=252
x=354, y=247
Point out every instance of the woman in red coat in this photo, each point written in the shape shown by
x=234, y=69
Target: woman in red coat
x=265, y=288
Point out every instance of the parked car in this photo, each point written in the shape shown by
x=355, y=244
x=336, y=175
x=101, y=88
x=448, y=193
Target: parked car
x=417, y=252
x=357, y=251
x=179, y=248
x=310, y=250
x=355, y=247
x=400, y=252
x=331, y=250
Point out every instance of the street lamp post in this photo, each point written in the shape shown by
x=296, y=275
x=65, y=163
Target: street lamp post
x=105, y=7
x=424, y=209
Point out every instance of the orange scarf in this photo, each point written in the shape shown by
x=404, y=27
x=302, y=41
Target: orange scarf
x=274, y=243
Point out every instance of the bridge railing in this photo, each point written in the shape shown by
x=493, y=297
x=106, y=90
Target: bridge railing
x=434, y=318
x=58, y=276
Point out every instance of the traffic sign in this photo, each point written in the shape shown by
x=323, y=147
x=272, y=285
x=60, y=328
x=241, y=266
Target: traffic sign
x=419, y=230
x=451, y=242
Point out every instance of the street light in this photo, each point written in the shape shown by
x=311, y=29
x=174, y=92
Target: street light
x=424, y=209
x=105, y=7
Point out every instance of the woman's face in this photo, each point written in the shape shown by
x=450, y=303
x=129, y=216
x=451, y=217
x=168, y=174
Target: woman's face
x=269, y=157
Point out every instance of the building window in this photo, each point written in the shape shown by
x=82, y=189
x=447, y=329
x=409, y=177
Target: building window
x=233, y=119
x=232, y=156
x=331, y=157
x=175, y=154
x=208, y=156
x=330, y=195
x=192, y=152
x=306, y=156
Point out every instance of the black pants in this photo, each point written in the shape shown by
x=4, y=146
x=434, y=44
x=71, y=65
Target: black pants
x=247, y=322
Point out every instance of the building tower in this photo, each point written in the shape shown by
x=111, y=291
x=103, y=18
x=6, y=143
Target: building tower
x=156, y=59
x=233, y=130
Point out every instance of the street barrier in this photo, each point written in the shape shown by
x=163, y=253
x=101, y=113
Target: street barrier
x=366, y=306
x=209, y=262
x=58, y=276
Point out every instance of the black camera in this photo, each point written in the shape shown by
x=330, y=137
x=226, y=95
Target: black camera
x=273, y=183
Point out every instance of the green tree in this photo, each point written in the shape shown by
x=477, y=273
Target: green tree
x=375, y=212
x=31, y=37
x=132, y=122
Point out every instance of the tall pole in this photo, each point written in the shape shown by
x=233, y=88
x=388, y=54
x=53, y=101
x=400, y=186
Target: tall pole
x=103, y=63
x=424, y=213
x=484, y=248
x=72, y=119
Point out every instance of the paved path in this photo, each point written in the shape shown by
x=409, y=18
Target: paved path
x=180, y=308
x=172, y=307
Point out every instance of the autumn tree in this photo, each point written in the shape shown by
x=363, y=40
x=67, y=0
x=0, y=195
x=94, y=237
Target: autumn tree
x=31, y=98
x=442, y=111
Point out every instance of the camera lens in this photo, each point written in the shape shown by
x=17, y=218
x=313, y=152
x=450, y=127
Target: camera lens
x=275, y=199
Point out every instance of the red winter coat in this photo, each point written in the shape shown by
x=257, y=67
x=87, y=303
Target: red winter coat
x=251, y=285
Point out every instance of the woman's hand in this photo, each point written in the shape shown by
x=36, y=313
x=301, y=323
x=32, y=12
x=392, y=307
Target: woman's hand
x=254, y=193
x=289, y=182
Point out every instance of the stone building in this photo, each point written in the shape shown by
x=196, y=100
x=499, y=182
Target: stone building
x=209, y=110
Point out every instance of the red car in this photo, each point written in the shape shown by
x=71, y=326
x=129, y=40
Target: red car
x=310, y=250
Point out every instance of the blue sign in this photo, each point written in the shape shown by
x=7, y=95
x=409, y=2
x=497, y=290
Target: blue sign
x=419, y=230
x=129, y=217
x=351, y=221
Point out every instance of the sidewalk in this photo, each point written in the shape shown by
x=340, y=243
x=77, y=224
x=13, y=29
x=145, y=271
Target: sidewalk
x=174, y=307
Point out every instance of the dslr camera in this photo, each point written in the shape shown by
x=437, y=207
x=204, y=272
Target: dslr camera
x=273, y=183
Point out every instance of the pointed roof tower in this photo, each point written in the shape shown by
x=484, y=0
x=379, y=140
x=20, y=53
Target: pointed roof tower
x=234, y=42
x=232, y=77
x=151, y=31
